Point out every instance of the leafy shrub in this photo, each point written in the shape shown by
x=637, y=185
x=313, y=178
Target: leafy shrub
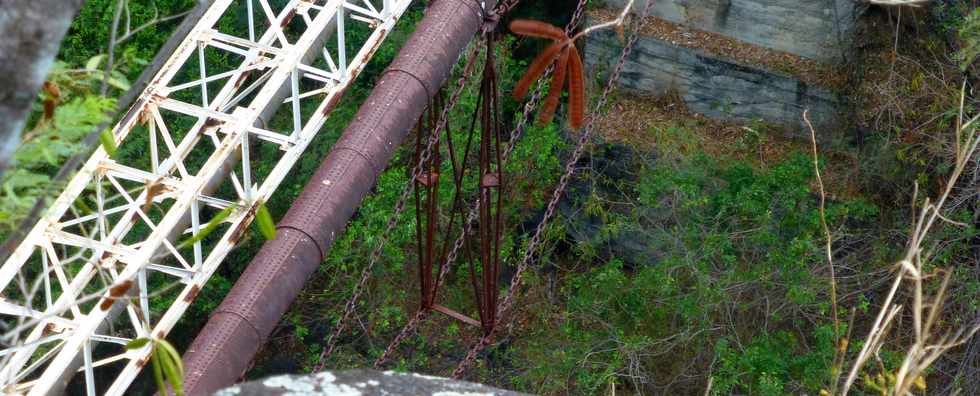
x=729, y=236
x=66, y=112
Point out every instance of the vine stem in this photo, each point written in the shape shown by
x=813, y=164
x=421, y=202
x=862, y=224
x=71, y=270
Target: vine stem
x=828, y=248
x=615, y=22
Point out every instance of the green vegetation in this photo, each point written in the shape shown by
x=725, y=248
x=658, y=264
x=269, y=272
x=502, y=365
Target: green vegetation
x=70, y=106
x=694, y=266
x=166, y=364
x=730, y=239
x=50, y=141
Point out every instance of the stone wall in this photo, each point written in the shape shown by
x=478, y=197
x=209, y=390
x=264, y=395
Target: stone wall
x=815, y=29
x=718, y=88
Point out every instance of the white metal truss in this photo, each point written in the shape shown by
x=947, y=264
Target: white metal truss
x=106, y=264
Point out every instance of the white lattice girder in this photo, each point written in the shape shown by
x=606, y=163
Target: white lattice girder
x=81, y=269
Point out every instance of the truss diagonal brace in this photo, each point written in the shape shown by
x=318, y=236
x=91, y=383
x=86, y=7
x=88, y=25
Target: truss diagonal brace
x=186, y=191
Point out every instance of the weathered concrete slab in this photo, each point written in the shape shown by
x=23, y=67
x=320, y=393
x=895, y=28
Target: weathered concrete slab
x=815, y=29
x=360, y=383
x=716, y=87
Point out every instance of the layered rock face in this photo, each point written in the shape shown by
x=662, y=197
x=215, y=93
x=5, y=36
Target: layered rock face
x=716, y=87
x=815, y=29
x=695, y=48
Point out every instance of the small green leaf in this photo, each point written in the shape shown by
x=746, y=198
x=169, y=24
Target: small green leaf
x=119, y=81
x=158, y=370
x=116, y=80
x=120, y=84
x=173, y=354
x=108, y=142
x=137, y=343
x=263, y=219
x=172, y=366
x=212, y=225
x=94, y=62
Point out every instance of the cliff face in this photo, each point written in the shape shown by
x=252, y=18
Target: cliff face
x=716, y=87
x=739, y=60
x=819, y=30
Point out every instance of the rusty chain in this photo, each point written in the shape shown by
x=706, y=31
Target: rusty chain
x=395, y=216
x=532, y=245
x=471, y=217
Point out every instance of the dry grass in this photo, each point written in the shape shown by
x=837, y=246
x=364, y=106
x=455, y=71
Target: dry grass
x=931, y=338
x=664, y=124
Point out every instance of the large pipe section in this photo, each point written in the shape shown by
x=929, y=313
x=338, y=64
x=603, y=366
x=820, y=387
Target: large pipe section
x=229, y=341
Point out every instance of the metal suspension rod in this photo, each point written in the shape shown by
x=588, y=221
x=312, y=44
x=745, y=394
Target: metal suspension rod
x=460, y=245
x=532, y=248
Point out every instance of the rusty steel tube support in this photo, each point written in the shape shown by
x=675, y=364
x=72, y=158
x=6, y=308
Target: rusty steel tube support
x=226, y=345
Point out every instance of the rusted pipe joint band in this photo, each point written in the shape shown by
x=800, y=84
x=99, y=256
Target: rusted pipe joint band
x=241, y=317
x=319, y=248
x=428, y=91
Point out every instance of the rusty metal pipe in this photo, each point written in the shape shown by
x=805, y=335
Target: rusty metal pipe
x=223, y=349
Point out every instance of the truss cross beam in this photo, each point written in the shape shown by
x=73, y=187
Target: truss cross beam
x=134, y=236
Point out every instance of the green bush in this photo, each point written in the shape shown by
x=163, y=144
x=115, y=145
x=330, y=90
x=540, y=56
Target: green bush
x=730, y=236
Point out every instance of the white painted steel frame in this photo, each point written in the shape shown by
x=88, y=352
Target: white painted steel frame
x=106, y=271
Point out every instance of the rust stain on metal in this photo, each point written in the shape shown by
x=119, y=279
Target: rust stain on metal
x=333, y=101
x=241, y=78
x=146, y=116
x=156, y=97
x=212, y=122
x=114, y=293
x=242, y=226
x=192, y=294
x=139, y=315
x=374, y=48
x=154, y=189
x=288, y=18
x=120, y=289
x=135, y=110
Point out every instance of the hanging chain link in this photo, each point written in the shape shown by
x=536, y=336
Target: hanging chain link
x=395, y=216
x=474, y=211
x=505, y=6
x=535, y=241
